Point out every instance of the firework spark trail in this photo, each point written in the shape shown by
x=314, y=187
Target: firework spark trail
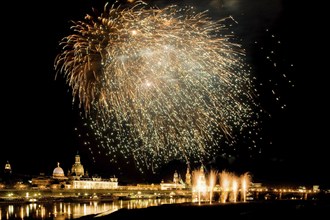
x=158, y=84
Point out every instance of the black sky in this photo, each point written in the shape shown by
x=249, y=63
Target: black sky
x=39, y=119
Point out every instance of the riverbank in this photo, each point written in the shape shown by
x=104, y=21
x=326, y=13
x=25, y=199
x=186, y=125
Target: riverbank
x=281, y=209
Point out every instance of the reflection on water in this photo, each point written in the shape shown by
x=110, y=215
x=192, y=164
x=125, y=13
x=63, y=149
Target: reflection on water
x=67, y=210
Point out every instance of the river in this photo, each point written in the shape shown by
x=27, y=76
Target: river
x=72, y=210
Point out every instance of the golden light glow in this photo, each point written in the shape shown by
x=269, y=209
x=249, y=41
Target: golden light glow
x=231, y=187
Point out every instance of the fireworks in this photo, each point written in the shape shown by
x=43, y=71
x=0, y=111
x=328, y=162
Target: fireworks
x=158, y=83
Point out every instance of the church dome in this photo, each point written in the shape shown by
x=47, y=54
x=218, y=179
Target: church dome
x=77, y=168
x=58, y=171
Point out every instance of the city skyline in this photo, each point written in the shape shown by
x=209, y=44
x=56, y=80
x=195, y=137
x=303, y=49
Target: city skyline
x=42, y=125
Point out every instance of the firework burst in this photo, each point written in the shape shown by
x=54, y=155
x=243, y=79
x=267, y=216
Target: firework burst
x=158, y=83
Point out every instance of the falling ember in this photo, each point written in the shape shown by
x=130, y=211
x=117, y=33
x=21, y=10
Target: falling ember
x=158, y=84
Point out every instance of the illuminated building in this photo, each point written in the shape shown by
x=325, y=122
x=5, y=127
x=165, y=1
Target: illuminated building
x=188, y=178
x=8, y=168
x=59, y=179
x=6, y=177
x=177, y=182
x=58, y=173
x=77, y=169
x=41, y=181
x=176, y=177
x=76, y=179
x=80, y=180
x=95, y=183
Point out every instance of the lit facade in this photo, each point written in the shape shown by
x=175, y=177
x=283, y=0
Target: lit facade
x=95, y=183
x=75, y=180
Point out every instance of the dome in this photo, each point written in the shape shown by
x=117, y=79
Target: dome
x=58, y=171
x=78, y=169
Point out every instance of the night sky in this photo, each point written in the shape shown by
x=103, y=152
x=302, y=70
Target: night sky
x=41, y=124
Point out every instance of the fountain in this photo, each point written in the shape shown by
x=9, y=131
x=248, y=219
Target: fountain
x=199, y=184
x=212, y=182
x=231, y=188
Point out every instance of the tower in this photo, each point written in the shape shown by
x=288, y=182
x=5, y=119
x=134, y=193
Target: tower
x=176, y=177
x=8, y=168
x=7, y=177
x=77, y=168
x=188, y=177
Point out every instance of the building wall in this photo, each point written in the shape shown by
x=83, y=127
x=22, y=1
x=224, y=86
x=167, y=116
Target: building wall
x=93, y=184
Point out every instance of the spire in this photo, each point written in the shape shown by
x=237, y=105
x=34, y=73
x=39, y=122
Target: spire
x=175, y=177
x=188, y=177
x=77, y=159
x=7, y=167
